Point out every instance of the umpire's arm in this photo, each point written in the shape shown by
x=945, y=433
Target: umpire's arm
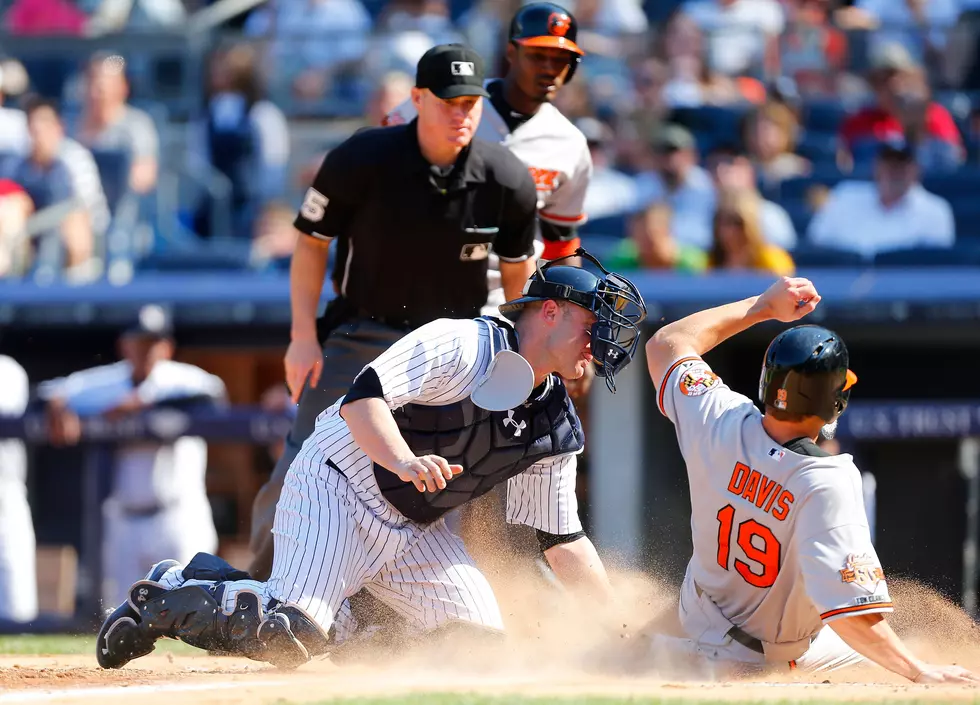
x=514, y=245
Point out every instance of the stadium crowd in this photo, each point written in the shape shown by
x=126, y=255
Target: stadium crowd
x=762, y=134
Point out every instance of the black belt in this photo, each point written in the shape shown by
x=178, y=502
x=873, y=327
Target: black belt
x=396, y=322
x=147, y=511
x=738, y=634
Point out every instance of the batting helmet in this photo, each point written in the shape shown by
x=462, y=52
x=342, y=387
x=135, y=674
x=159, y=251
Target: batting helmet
x=618, y=307
x=544, y=24
x=806, y=372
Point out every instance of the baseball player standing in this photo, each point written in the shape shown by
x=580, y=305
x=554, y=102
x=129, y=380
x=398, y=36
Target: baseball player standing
x=448, y=412
x=783, y=571
x=420, y=198
x=18, y=579
x=158, y=502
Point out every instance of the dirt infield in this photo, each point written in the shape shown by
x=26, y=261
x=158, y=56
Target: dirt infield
x=555, y=648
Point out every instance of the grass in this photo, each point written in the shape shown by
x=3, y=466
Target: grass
x=62, y=644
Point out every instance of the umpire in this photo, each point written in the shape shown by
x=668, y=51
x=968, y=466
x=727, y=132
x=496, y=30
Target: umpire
x=415, y=210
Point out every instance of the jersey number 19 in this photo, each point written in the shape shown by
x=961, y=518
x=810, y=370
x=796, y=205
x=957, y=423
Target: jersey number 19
x=758, y=544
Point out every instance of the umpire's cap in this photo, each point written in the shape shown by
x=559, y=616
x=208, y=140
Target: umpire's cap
x=806, y=372
x=451, y=71
x=545, y=24
x=618, y=307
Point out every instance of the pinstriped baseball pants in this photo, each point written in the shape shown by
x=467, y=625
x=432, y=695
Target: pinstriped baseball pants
x=329, y=543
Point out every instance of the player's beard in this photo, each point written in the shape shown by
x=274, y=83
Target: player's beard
x=829, y=430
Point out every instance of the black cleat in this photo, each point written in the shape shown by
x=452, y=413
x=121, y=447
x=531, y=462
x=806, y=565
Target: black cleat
x=120, y=639
x=282, y=648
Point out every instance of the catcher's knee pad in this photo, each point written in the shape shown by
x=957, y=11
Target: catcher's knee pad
x=121, y=639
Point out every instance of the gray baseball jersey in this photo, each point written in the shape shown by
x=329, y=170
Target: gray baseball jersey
x=781, y=540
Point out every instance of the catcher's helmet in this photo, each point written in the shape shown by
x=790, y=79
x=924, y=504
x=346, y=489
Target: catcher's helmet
x=618, y=307
x=544, y=24
x=806, y=372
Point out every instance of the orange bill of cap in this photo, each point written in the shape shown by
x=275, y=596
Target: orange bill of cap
x=850, y=381
x=552, y=42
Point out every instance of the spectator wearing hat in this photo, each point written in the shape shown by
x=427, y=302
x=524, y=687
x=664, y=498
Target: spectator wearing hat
x=902, y=109
x=158, y=504
x=677, y=180
x=893, y=212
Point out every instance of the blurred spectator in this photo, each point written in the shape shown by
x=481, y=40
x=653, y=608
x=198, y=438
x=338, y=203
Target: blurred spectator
x=45, y=176
x=15, y=208
x=652, y=245
x=275, y=237
x=405, y=30
x=731, y=170
x=902, y=109
x=612, y=18
x=393, y=90
x=737, y=237
x=158, y=503
x=678, y=180
x=109, y=123
x=243, y=136
x=311, y=40
x=691, y=80
x=14, y=137
x=115, y=16
x=45, y=17
x=920, y=26
x=742, y=34
x=811, y=51
x=18, y=578
x=894, y=212
x=485, y=25
x=769, y=134
x=610, y=192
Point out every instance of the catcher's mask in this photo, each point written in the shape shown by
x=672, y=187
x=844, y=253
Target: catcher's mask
x=618, y=307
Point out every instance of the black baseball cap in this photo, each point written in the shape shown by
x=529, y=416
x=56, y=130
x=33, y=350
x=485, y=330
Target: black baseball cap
x=896, y=149
x=451, y=71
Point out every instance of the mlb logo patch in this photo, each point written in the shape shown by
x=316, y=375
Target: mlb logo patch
x=776, y=453
x=463, y=68
x=474, y=252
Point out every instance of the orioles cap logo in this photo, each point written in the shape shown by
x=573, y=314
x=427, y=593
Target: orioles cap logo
x=559, y=24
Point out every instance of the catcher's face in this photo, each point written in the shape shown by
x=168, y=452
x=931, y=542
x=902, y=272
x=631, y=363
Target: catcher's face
x=453, y=120
x=570, y=340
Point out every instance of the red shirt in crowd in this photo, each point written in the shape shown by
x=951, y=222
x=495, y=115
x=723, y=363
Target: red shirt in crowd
x=876, y=124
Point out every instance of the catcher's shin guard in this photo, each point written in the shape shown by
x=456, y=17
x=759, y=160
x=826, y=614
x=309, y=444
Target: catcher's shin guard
x=120, y=638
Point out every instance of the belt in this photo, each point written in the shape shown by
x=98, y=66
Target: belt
x=144, y=512
x=737, y=633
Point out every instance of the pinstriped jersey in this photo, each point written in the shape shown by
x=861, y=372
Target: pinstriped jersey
x=781, y=539
x=440, y=365
x=554, y=150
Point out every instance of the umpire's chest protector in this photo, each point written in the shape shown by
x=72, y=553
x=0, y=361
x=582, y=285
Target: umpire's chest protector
x=492, y=447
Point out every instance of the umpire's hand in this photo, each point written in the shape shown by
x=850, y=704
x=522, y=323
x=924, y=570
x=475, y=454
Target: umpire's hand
x=427, y=472
x=304, y=359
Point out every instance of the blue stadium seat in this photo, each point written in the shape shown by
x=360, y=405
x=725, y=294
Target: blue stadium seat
x=720, y=123
x=818, y=146
x=965, y=182
x=824, y=117
x=807, y=255
x=959, y=256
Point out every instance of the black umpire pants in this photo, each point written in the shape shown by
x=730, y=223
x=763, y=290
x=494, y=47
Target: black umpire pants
x=347, y=349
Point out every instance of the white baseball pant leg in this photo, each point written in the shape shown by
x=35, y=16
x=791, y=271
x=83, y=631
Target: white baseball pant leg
x=18, y=570
x=329, y=544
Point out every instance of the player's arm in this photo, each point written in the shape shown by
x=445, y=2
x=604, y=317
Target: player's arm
x=437, y=363
x=514, y=244
x=789, y=299
x=543, y=498
x=565, y=212
x=324, y=215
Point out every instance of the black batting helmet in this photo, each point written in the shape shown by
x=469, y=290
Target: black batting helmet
x=618, y=307
x=545, y=24
x=806, y=372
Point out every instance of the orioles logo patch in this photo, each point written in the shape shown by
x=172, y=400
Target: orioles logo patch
x=694, y=383
x=559, y=24
x=862, y=570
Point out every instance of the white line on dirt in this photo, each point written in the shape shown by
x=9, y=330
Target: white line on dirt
x=44, y=695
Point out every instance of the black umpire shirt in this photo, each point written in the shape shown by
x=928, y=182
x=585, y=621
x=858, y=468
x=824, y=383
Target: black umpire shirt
x=413, y=240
